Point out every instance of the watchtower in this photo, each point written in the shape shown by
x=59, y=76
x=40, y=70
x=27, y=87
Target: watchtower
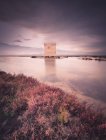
x=50, y=49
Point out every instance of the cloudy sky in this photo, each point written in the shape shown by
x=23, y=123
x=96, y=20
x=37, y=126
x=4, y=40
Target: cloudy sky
x=77, y=26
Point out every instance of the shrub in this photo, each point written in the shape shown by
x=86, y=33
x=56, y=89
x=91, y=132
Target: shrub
x=30, y=110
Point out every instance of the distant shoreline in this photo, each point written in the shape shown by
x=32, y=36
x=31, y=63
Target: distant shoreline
x=83, y=57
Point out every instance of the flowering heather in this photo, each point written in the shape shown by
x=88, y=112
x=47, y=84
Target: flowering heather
x=30, y=110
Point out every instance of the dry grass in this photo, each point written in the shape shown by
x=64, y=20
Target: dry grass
x=30, y=110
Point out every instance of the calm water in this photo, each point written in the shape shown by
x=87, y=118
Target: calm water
x=88, y=77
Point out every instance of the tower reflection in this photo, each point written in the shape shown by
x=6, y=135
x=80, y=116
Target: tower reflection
x=50, y=69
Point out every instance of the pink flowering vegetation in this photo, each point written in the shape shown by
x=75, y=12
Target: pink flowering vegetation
x=30, y=110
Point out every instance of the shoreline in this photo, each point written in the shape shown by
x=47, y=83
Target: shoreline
x=82, y=57
x=97, y=104
x=33, y=110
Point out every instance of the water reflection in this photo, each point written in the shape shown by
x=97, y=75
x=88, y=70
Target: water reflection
x=50, y=66
x=50, y=70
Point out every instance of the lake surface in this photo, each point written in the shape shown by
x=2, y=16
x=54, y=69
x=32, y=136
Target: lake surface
x=88, y=77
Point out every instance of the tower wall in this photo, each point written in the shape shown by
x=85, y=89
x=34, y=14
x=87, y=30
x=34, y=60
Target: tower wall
x=50, y=49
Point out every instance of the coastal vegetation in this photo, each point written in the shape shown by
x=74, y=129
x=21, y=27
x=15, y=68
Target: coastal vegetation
x=30, y=110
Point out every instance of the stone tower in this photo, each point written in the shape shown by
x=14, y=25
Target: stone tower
x=50, y=49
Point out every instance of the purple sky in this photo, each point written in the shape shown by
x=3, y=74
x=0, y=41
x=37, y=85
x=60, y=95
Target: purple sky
x=77, y=26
